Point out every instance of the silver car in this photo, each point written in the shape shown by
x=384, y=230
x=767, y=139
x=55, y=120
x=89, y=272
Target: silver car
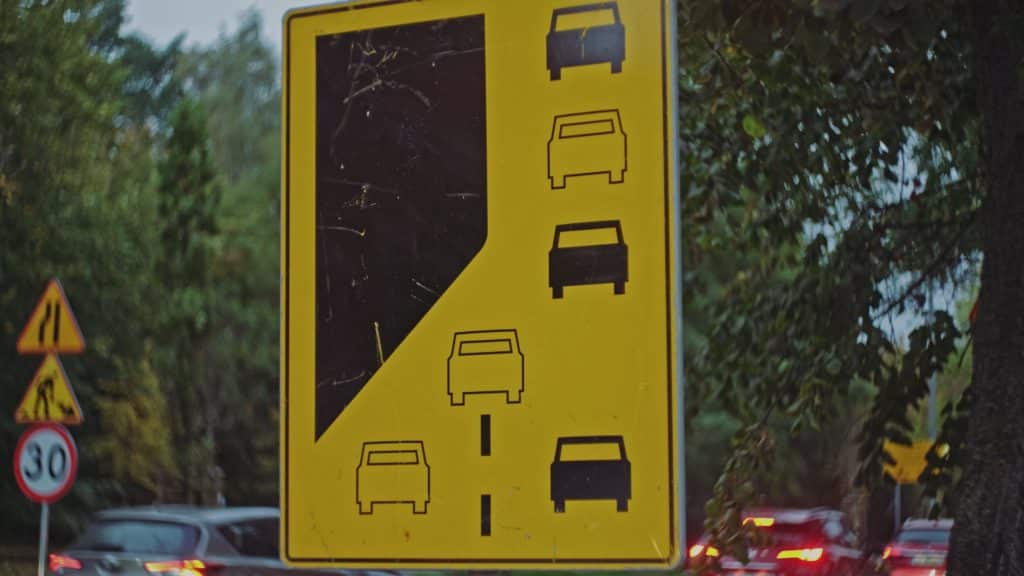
x=176, y=540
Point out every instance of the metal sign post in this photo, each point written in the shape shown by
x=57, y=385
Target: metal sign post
x=44, y=531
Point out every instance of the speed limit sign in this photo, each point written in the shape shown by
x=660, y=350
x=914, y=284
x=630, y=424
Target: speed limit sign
x=45, y=463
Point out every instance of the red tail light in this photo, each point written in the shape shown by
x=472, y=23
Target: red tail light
x=179, y=567
x=802, y=554
x=66, y=562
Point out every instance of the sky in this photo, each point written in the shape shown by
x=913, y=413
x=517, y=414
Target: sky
x=202, y=20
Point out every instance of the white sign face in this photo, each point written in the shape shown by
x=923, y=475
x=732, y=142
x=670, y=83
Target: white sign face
x=45, y=463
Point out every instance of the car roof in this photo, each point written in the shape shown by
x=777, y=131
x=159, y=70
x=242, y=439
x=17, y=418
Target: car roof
x=926, y=524
x=791, y=515
x=189, y=514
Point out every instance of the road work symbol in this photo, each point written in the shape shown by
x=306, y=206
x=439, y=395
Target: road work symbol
x=49, y=397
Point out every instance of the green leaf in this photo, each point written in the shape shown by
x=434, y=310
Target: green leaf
x=753, y=127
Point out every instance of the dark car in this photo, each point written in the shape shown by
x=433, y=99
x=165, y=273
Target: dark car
x=578, y=46
x=813, y=542
x=605, y=478
x=605, y=263
x=175, y=540
x=919, y=549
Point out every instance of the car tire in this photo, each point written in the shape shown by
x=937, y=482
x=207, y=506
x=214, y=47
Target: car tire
x=557, y=292
x=419, y=507
x=622, y=505
x=556, y=74
x=557, y=182
x=617, y=177
x=458, y=399
x=366, y=508
x=513, y=397
x=559, y=506
x=620, y=287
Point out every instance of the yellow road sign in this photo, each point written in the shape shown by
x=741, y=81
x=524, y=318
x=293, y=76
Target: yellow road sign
x=52, y=326
x=49, y=397
x=480, y=314
x=910, y=460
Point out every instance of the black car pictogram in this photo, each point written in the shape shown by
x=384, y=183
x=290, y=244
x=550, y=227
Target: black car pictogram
x=591, y=479
x=588, y=264
x=586, y=45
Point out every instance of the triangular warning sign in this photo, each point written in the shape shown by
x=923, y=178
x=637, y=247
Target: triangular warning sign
x=52, y=326
x=49, y=397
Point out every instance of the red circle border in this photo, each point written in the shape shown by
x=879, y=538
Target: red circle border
x=62, y=432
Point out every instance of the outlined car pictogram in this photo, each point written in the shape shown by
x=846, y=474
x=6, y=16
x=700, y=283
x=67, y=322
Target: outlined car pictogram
x=605, y=263
x=393, y=473
x=587, y=143
x=485, y=362
x=591, y=478
x=604, y=42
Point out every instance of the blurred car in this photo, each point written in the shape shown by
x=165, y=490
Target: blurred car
x=919, y=549
x=176, y=540
x=812, y=542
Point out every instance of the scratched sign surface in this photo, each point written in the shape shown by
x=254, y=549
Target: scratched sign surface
x=480, y=334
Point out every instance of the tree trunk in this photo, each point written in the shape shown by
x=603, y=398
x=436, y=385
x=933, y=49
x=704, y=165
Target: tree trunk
x=988, y=537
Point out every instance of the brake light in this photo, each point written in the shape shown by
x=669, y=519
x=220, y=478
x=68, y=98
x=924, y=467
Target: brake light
x=178, y=567
x=802, y=554
x=760, y=522
x=66, y=562
x=709, y=551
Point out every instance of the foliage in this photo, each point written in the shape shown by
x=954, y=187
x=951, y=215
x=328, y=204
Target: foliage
x=162, y=225
x=834, y=168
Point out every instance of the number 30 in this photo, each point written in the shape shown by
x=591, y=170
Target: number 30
x=56, y=462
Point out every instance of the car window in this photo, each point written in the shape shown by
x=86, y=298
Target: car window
x=590, y=452
x=794, y=535
x=139, y=536
x=253, y=537
x=923, y=537
x=586, y=19
x=590, y=237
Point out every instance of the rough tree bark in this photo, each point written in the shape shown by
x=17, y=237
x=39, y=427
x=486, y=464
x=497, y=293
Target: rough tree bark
x=988, y=537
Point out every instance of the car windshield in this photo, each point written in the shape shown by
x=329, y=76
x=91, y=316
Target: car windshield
x=585, y=19
x=933, y=536
x=792, y=535
x=590, y=237
x=140, y=537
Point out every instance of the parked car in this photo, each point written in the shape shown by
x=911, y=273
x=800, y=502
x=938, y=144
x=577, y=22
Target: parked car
x=811, y=542
x=919, y=549
x=175, y=540
x=582, y=45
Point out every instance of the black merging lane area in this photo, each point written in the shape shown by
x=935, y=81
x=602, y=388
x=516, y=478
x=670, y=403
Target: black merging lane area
x=401, y=190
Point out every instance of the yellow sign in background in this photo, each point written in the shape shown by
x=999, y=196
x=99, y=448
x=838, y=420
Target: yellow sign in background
x=52, y=326
x=400, y=477
x=49, y=397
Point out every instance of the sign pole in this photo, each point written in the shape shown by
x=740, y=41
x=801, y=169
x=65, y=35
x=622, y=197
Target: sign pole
x=44, y=530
